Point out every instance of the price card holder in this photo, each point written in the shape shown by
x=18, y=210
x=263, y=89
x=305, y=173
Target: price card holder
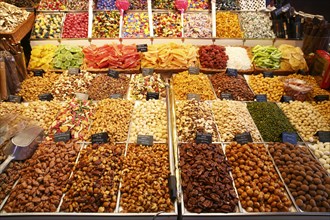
x=203, y=138
x=65, y=136
x=286, y=98
x=152, y=95
x=320, y=98
x=116, y=96
x=227, y=96
x=15, y=98
x=142, y=47
x=243, y=138
x=231, y=72
x=268, y=74
x=113, y=74
x=147, y=71
x=100, y=138
x=46, y=97
x=38, y=72
x=191, y=96
x=73, y=71
x=193, y=70
x=145, y=140
x=261, y=98
x=324, y=136
x=289, y=137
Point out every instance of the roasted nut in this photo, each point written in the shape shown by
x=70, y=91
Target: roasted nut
x=324, y=109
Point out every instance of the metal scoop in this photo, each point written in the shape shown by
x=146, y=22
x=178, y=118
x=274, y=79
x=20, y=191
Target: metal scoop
x=23, y=145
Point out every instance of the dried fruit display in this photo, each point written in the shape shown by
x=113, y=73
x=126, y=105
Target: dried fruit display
x=228, y=25
x=213, y=57
x=67, y=56
x=238, y=58
x=266, y=57
x=42, y=57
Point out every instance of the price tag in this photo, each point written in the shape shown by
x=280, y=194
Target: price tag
x=73, y=71
x=65, y=136
x=289, y=137
x=320, y=98
x=145, y=140
x=268, y=74
x=193, y=96
x=324, y=136
x=113, y=74
x=261, y=98
x=82, y=96
x=231, y=72
x=193, y=70
x=203, y=138
x=286, y=98
x=116, y=96
x=46, y=97
x=243, y=138
x=227, y=96
x=15, y=98
x=100, y=138
x=147, y=71
x=152, y=95
x=142, y=47
x=38, y=72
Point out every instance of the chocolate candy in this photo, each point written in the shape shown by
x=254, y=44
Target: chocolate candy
x=77, y=5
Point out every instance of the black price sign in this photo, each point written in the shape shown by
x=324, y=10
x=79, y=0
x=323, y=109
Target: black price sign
x=73, y=71
x=268, y=74
x=324, y=136
x=113, y=74
x=203, y=138
x=38, y=72
x=142, y=48
x=65, y=136
x=116, y=96
x=320, y=98
x=152, y=95
x=286, y=98
x=193, y=70
x=46, y=97
x=243, y=138
x=15, y=98
x=289, y=137
x=147, y=71
x=227, y=96
x=193, y=96
x=100, y=138
x=145, y=140
x=261, y=98
x=231, y=72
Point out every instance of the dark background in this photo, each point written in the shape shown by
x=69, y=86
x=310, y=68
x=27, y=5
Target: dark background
x=320, y=7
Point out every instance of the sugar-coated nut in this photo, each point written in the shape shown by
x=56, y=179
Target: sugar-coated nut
x=322, y=152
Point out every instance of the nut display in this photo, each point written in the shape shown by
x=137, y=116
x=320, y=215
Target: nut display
x=324, y=109
x=270, y=120
x=10, y=108
x=256, y=25
x=42, y=57
x=95, y=179
x=198, y=25
x=145, y=180
x=207, y=185
x=236, y=86
x=322, y=152
x=33, y=86
x=106, y=24
x=307, y=180
x=305, y=119
x=233, y=118
x=167, y=25
x=75, y=25
x=47, y=26
x=258, y=184
x=192, y=117
x=228, y=25
x=112, y=116
x=213, y=57
x=42, y=181
x=102, y=86
x=136, y=24
x=149, y=118
x=140, y=85
x=272, y=87
x=185, y=83
x=238, y=58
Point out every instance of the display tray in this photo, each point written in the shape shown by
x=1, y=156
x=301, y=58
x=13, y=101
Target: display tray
x=105, y=70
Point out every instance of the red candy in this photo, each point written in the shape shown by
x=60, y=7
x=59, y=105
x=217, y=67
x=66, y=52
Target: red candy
x=75, y=25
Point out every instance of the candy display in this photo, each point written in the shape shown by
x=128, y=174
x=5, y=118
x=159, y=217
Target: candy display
x=23, y=3
x=47, y=26
x=185, y=83
x=77, y=4
x=117, y=56
x=67, y=56
x=136, y=24
x=75, y=25
x=55, y=5
x=321, y=151
x=42, y=57
x=256, y=25
x=306, y=179
x=11, y=17
x=252, y=5
x=228, y=25
x=198, y=25
x=162, y=4
x=106, y=24
x=106, y=4
x=292, y=58
x=140, y=85
x=138, y=4
x=233, y=118
x=266, y=57
x=238, y=58
x=167, y=25
x=199, y=4
x=205, y=179
x=213, y=57
x=229, y=5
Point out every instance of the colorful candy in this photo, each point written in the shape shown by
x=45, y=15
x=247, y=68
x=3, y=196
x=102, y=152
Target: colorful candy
x=47, y=26
x=77, y=4
x=163, y=4
x=75, y=25
x=198, y=26
x=106, y=4
x=199, y=4
x=138, y=4
x=228, y=25
x=167, y=25
x=136, y=24
x=106, y=24
x=55, y=5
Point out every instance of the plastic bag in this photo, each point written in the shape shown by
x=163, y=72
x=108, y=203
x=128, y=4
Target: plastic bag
x=298, y=89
